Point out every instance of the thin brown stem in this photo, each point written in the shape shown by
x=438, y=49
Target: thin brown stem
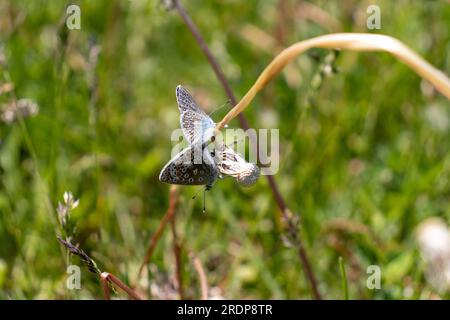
x=177, y=255
x=293, y=231
x=105, y=285
x=201, y=275
x=173, y=200
x=105, y=276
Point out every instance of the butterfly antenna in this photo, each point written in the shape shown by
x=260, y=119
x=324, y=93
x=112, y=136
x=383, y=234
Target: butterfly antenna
x=223, y=105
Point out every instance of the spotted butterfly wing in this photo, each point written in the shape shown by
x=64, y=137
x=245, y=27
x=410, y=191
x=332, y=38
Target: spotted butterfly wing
x=197, y=126
x=186, y=169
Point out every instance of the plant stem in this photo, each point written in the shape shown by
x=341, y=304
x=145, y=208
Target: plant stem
x=105, y=276
x=173, y=200
x=105, y=286
x=177, y=254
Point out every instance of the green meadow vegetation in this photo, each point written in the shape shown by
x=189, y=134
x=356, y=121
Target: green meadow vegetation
x=364, y=150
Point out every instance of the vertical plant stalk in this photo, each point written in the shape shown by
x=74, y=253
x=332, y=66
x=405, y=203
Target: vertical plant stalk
x=173, y=201
x=291, y=225
x=31, y=147
x=177, y=254
x=201, y=275
x=108, y=277
x=344, y=278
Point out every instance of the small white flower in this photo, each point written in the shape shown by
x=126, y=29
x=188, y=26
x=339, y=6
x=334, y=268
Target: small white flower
x=63, y=210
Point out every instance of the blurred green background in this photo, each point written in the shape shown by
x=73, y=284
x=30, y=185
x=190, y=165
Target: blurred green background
x=364, y=151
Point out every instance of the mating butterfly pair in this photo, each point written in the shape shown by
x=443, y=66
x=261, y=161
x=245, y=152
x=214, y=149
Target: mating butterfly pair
x=197, y=165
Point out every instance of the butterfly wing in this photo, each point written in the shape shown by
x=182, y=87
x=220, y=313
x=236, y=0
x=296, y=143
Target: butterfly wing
x=185, y=169
x=231, y=163
x=197, y=126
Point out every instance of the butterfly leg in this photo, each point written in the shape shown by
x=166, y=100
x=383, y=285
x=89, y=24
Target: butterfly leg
x=204, y=201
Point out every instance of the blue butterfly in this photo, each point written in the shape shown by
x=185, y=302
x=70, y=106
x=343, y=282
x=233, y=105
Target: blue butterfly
x=197, y=165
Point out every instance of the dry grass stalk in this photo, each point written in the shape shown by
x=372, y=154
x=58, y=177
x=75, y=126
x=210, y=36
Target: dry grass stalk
x=105, y=277
x=344, y=41
x=173, y=200
x=108, y=277
x=177, y=254
x=201, y=275
x=105, y=286
x=291, y=226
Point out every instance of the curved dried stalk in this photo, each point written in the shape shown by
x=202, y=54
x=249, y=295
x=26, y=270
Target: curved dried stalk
x=291, y=225
x=345, y=41
x=173, y=200
x=201, y=275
